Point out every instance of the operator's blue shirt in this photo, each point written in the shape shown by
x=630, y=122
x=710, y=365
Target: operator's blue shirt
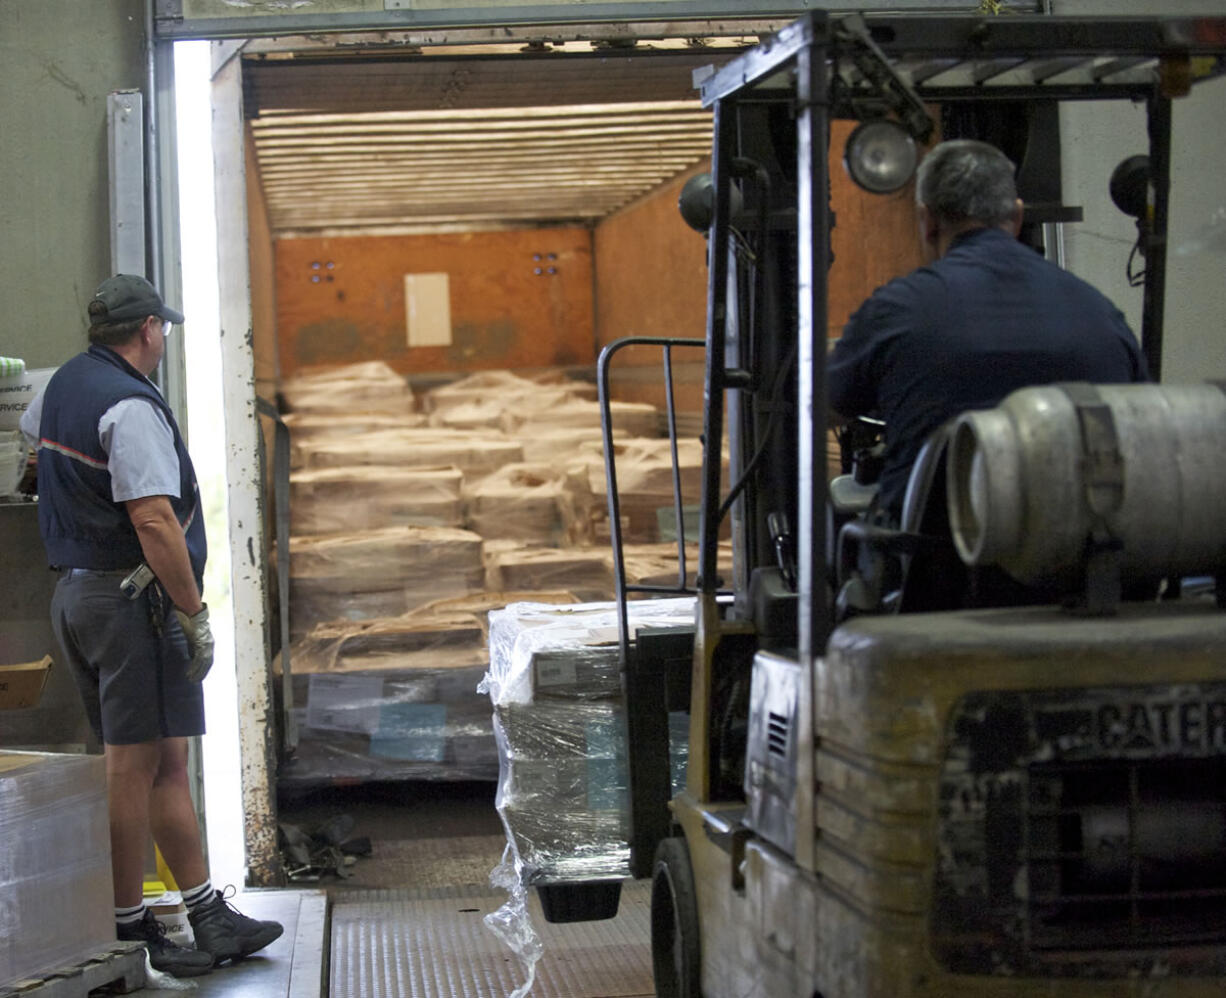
x=989, y=317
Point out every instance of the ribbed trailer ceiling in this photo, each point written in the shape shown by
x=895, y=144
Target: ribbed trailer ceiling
x=424, y=143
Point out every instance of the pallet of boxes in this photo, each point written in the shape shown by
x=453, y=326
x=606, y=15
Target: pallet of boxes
x=57, y=928
x=408, y=523
x=559, y=719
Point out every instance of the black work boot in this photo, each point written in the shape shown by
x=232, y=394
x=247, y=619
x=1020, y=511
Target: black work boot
x=226, y=933
x=165, y=954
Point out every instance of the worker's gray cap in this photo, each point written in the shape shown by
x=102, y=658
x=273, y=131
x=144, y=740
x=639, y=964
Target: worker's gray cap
x=128, y=297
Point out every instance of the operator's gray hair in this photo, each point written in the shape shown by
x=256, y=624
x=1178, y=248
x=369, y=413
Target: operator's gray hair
x=963, y=179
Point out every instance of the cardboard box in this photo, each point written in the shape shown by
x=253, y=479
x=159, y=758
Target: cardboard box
x=21, y=686
x=168, y=908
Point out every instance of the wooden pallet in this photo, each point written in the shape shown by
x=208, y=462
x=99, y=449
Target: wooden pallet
x=121, y=965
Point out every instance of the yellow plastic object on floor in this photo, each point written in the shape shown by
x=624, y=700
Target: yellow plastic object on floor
x=165, y=879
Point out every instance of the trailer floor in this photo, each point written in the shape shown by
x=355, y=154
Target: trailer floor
x=408, y=921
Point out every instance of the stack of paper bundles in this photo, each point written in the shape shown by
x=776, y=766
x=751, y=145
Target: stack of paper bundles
x=379, y=573
x=335, y=500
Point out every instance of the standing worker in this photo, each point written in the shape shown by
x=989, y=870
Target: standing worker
x=117, y=492
x=987, y=316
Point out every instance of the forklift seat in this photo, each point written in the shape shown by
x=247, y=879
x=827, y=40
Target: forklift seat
x=915, y=567
x=874, y=558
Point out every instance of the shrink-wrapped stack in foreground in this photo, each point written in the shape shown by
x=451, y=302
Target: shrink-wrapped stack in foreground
x=554, y=680
x=55, y=874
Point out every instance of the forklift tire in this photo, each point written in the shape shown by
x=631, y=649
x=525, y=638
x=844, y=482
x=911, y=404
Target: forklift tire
x=674, y=922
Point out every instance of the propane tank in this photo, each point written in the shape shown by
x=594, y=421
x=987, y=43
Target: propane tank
x=1025, y=493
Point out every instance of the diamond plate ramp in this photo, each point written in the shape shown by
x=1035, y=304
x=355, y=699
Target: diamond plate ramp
x=415, y=944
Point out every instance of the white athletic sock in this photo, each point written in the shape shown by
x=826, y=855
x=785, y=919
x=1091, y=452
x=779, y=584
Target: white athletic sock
x=194, y=896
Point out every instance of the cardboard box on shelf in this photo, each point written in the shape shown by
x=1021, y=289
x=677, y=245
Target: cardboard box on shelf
x=21, y=686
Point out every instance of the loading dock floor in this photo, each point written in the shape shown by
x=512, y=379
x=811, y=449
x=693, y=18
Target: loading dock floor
x=408, y=923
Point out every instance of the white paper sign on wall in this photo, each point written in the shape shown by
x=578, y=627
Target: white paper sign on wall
x=427, y=310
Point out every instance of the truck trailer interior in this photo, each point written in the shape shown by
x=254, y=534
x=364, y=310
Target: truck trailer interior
x=470, y=231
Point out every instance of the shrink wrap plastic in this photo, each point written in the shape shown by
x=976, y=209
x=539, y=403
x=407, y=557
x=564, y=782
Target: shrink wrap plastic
x=559, y=723
x=645, y=466
x=645, y=481
x=396, y=698
x=333, y=500
x=470, y=416
x=379, y=573
x=577, y=442
x=380, y=721
x=541, y=503
x=528, y=640
x=634, y=419
x=306, y=429
x=367, y=387
x=587, y=572
x=501, y=391
x=474, y=454
x=657, y=564
x=55, y=862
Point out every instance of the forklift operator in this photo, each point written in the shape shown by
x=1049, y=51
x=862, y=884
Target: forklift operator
x=987, y=315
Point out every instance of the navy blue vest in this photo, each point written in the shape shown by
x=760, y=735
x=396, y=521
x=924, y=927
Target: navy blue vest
x=82, y=527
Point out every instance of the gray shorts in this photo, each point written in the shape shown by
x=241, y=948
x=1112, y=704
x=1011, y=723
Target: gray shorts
x=132, y=680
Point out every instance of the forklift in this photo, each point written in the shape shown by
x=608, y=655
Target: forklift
x=977, y=753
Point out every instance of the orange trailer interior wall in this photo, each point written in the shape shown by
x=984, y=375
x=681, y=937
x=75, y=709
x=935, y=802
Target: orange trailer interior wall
x=518, y=299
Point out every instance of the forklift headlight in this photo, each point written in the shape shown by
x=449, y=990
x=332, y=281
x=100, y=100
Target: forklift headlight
x=697, y=202
x=880, y=156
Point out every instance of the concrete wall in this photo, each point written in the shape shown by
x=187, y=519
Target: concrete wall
x=58, y=61
x=1095, y=137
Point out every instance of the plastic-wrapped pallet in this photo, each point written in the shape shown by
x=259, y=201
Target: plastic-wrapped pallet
x=554, y=680
x=540, y=503
x=587, y=572
x=306, y=429
x=371, y=386
x=658, y=564
x=396, y=698
x=573, y=441
x=391, y=699
x=379, y=721
x=379, y=573
x=645, y=482
x=500, y=392
x=55, y=862
x=474, y=453
x=334, y=500
x=634, y=419
x=563, y=790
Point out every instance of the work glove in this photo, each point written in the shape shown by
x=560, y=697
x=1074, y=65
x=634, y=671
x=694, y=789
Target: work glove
x=199, y=642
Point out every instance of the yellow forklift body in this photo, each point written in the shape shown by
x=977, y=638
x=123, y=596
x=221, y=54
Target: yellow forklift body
x=937, y=729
